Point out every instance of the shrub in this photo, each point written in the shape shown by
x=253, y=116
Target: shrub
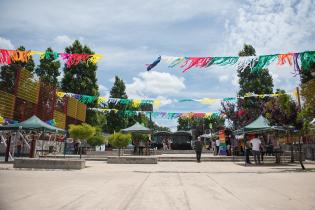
x=119, y=140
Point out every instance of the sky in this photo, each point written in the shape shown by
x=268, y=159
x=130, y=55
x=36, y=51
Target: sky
x=130, y=34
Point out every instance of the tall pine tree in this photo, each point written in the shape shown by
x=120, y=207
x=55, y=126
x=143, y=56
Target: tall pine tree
x=259, y=83
x=116, y=121
x=48, y=69
x=8, y=72
x=81, y=79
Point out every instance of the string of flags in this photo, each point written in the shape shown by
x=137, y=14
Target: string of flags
x=87, y=99
x=255, y=63
x=9, y=56
x=168, y=115
x=136, y=103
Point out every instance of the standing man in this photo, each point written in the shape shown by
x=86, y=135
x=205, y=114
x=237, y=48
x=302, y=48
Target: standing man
x=217, y=146
x=247, y=147
x=256, y=142
x=198, y=148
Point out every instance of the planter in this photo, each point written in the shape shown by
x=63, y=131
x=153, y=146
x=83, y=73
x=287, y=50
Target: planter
x=132, y=160
x=48, y=163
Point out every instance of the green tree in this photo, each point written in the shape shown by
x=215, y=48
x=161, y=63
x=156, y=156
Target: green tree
x=48, y=69
x=307, y=72
x=119, y=140
x=259, y=83
x=140, y=137
x=9, y=72
x=96, y=140
x=81, y=79
x=200, y=124
x=117, y=121
x=119, y=89
x=81, y=132
x=307, y=92
x=282, y=110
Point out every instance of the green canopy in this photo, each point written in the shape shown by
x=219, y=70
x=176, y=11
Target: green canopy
x=258, y=125
x=136, y=128
x=33, y=123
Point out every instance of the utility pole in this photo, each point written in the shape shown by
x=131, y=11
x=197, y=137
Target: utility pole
x=301, y=135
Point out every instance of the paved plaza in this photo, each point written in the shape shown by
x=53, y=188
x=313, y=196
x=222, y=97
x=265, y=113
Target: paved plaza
x=166, y=185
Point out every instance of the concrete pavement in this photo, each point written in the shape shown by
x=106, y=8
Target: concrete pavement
x=166, y=185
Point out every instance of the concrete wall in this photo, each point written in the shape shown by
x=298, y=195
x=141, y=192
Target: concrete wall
x=48, y=163
x=131, y=160
x=309, y=150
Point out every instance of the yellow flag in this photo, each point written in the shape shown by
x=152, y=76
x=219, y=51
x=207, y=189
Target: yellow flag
x=209, y=100
x=136, y=103
x=157, y=103
x=60, y=94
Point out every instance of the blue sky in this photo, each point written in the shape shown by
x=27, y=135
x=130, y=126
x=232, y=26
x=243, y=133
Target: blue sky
x=131, y=34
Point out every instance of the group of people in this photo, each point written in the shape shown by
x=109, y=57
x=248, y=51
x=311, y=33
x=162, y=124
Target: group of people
x=255, y=146
x=166, y=143
x=258, y=148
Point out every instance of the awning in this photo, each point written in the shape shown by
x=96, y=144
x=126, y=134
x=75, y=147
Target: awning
x=33, y=123
x=137, y=128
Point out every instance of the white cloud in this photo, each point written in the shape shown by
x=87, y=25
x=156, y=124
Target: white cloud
x=6, y=44
x=112, y=80
x=223, y=78
x=63, y=40
x=235, y=80
x=155, y=83
x=273, y=26
x=164, y=100
x=103, y=90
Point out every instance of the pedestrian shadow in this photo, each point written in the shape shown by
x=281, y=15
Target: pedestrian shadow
x=266, y=164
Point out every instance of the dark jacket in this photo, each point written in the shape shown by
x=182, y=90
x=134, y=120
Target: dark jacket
x=198, y=146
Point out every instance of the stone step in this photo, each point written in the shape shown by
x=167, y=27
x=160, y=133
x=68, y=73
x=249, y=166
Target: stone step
x=218, y=159
x=207, y=159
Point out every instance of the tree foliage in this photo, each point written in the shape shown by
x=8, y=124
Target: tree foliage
x=119, y=89
x=96, y=140
x=81, y=78
x=81, y=132
x=119, y=140
x=48, y=69
x=308, y=94
x=282, y=110
x=200, y=124
x=259, y=83
x=140, y=137
x=9, y=72
x=306, y=73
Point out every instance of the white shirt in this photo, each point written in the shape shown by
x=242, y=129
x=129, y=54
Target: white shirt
x=217, y=142
x=256, y=144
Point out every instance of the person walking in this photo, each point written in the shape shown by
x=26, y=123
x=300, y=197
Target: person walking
x=164, y=144
x=198, y=149
x=213, y=147
x=247, y=148
x=256, y=142
x=277, y=149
